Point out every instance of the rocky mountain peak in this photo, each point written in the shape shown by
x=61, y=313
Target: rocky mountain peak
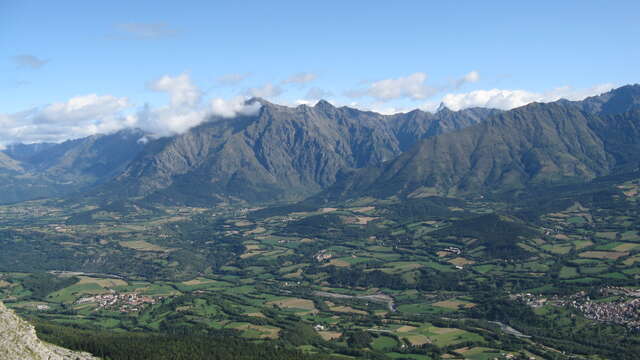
x=325, y=107
x=256, y=99
x=443, y=108
x=323, y=104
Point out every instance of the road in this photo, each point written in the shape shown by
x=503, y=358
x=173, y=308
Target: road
x=509, y=330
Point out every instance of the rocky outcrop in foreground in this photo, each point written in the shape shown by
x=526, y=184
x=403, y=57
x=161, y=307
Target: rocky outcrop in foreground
x=18, y=341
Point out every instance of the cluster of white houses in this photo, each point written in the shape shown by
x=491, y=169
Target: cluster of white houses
x=624, y=311
x=124, y=302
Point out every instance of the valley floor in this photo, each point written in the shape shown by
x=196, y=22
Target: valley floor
x=419, y=279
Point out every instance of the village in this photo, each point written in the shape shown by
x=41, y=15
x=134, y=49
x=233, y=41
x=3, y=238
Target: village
x=123, y=302
x=625, y=310
x=322, y=256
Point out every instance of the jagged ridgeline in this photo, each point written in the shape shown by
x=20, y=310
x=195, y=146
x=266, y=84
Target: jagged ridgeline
x=281, y=153
x=537, y=144
x=285, y=153
x=31, y=171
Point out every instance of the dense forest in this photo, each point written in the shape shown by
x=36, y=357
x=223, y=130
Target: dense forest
x=165, y=346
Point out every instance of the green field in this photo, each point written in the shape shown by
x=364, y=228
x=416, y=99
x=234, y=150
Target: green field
x=411, y=283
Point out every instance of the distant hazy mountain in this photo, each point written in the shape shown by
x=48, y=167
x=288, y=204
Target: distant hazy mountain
x=538, y=143
x=22, y=152
x=8, y=164
x=44, y=170
x=281, y=153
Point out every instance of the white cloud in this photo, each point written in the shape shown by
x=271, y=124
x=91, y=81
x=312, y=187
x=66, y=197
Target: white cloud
x=494, y=98
x=266, y=91
x=146, y=30
x=186, y=111
x=183, y=112
x=232, y=79
x=387, y=110
x=180, y=88
x=569, y=93
x=430, y=106
x=378, y=107
x=509, y=99
x=79, y=108
x=300, y=78
x=26, y=61
x=471, y=77
x=169, y=120
x=234, y=107
x=92, y=114
x=77, y=117
x=412, y=87
x=143, y=140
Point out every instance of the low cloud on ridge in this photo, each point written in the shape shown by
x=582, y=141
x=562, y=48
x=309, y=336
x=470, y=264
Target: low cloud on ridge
x=92, y=114
x=236, y=106
x=77, y=117
x=412, y=87
x=509, y=99
x=186, y=107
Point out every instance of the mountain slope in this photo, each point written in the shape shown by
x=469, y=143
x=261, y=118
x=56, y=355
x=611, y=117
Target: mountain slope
x=535, y=144
x=45, y=170
x=282, y=153
x=416, y=125
x=19, y=341
x=7, y=164
x=617, y=101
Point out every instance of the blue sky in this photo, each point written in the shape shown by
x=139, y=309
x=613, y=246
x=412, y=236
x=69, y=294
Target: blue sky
x=93, y=66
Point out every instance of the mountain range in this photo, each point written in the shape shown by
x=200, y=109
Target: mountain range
x=537, y=144
x=284, y=153
x=31, y=171
x=281, y=153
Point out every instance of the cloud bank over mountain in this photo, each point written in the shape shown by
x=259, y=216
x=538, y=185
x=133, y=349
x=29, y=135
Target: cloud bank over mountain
x=93, y=114
x=77, y=117
x=188, y=105
x=509, y=99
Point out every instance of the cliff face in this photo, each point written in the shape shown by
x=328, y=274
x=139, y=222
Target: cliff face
x=18, y=341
